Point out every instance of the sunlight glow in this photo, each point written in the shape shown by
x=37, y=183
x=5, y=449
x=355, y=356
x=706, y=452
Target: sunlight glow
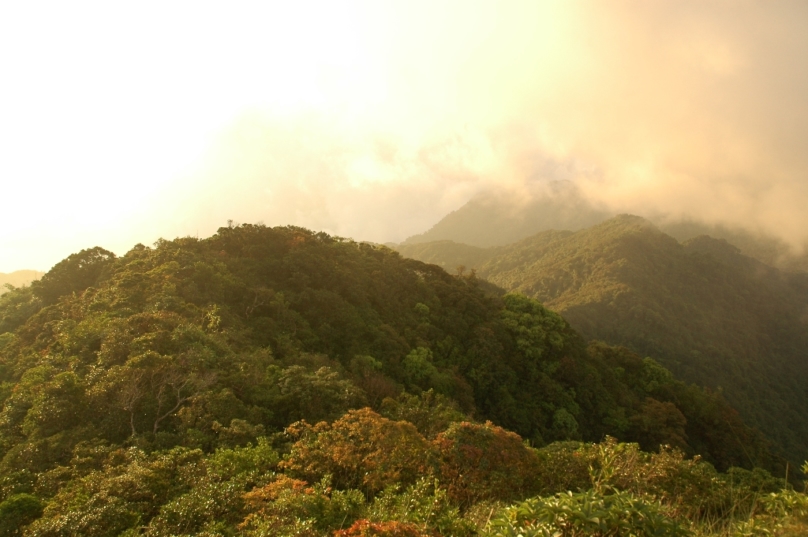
x=121, y=123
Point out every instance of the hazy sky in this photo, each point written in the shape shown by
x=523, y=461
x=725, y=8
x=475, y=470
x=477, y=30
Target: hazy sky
x=125, y=122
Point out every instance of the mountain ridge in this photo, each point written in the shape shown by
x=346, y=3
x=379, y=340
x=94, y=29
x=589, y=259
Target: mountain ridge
x=18, y=278
x=500, y=218
x=711, y=314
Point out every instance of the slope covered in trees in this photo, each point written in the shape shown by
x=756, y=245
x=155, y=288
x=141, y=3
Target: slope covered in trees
x=131, y=386
x=705, y=311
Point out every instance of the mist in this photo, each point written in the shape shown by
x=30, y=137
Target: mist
x=374, y=122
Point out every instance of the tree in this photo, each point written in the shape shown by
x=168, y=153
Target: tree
x=485, y=462
x=75, y=273
x=361, y=450
x=18, y=511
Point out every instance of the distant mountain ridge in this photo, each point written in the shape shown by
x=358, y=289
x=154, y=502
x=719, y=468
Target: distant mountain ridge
x=18, y=278
x=709, y=313
x=497, y=219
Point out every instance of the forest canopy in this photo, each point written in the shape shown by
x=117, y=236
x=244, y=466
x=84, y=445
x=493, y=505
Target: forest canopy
x=710, y=314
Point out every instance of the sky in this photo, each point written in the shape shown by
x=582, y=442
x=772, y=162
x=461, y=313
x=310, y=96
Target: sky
x=125, y=122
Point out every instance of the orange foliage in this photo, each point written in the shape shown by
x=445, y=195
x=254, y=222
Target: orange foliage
x=259, y=497
x=365, y=528
x=361, y=450
x=262, y=502
x=485, y=462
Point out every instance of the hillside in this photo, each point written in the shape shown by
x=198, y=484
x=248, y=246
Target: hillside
x=118, y=373
x=704, y=310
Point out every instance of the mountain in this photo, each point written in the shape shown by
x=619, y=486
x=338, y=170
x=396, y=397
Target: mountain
x=194, y=317
x=765, y=248
x=497, y=219
x=278, y=381
x=500, y=218
x=712, y=315
x=18, y=278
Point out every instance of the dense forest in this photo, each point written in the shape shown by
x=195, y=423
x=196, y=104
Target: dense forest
x=710, y=314
x=277, y=381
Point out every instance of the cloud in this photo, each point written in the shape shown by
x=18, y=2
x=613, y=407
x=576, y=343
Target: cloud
x=686, y=108
x=373, y=120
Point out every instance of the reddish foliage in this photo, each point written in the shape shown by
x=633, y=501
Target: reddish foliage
x=365, y=528
x=360, y=450
x=483, y=461
x=260, y=497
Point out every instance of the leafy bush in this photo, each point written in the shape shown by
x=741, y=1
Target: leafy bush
x=360, y=450
x=485, y=462
x=783, y=513
x=365, y=528
x=423, y=504
x=17, y=511
x=289, y=506
x=585, y=514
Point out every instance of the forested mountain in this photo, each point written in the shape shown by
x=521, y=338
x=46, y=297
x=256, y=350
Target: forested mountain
x=161, y=392
x=704, y=310
x=18, y=278
x=498, y=219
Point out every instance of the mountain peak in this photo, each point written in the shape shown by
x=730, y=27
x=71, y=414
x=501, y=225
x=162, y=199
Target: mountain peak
x=501, y=218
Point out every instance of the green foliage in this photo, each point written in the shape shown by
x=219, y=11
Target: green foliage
x=214, y=343
x=295, y=393
x=18, y=511
x=291, y=507
x=424, y=504
x=585, y=514
x=780, y=513
x=535, y=328
x=169, y=492
x=711, y=315
x=256, y=460
x=155, y=393
x=430, y=412
x=17, y=305
x=74, y=274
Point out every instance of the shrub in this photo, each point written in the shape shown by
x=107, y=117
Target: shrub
x=424, y=504
x=584, y=514
x=365, y=528
x=485, y=462
x=18, y=511
x=289, y=506
x=361, y=450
